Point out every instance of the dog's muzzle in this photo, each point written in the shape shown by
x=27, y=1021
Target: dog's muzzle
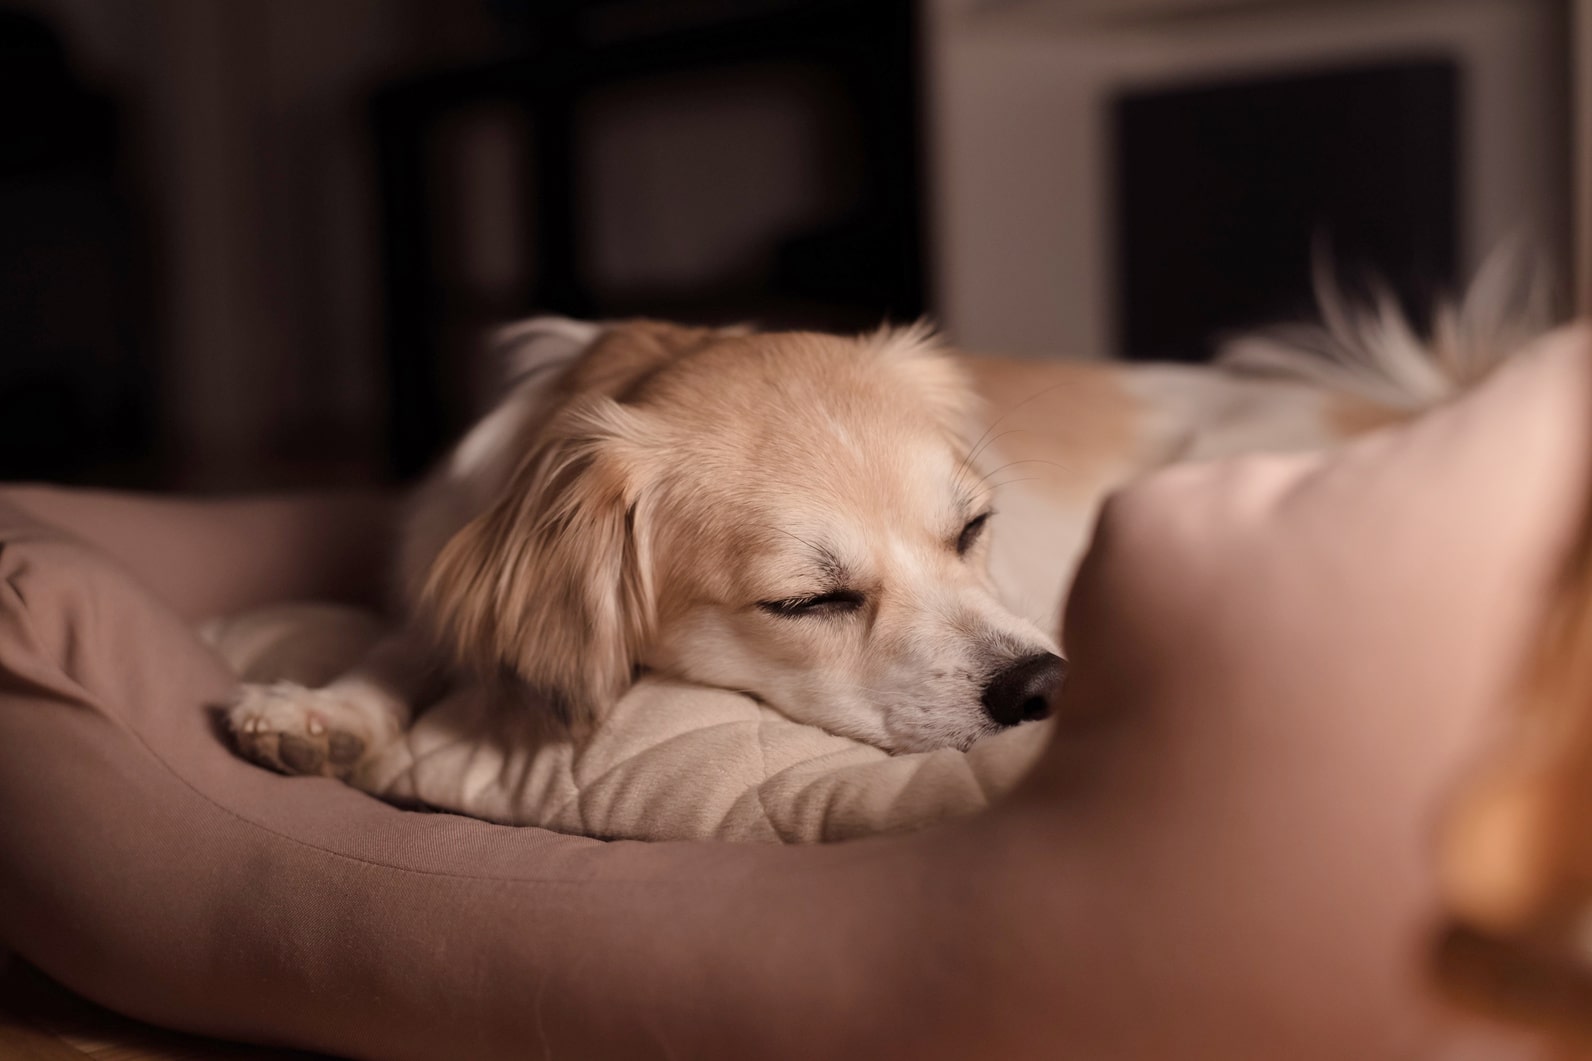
x=1021, y=691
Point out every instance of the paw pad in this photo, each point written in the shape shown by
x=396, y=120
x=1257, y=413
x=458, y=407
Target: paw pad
x=295, y=730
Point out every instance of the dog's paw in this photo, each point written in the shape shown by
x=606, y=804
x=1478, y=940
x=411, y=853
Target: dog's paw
x=298, y=730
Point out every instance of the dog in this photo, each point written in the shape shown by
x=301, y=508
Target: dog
x=873, y=535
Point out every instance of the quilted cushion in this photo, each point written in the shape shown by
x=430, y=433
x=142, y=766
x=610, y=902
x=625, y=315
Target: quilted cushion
x=674, y=762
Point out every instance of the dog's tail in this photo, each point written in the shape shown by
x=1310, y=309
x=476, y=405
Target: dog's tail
x=1372, y=350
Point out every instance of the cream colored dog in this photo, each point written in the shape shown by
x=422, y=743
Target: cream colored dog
x=872, y=535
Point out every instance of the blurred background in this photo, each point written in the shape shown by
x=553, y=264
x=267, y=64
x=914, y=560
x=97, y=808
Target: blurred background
x=255, y=243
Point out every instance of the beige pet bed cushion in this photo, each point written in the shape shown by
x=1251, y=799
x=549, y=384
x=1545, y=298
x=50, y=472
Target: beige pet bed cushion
x=673, y=761
x=1280, y=667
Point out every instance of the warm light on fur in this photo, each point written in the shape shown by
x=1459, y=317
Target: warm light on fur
x=872, y=535
x=674, y=482
x=554, y=580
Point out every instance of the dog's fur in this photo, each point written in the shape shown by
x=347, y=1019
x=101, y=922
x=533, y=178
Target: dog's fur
x=807, y=518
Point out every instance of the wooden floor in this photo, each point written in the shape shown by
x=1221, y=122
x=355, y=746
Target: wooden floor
x=42, y=1021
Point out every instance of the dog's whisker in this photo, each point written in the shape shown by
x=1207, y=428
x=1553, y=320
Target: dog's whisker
x=991, y=484
x=988, y=442
x=967, y=471
x=985, y=476
x=969, y=465
x=1010, y=464
x=797, y=537
x=980, y=443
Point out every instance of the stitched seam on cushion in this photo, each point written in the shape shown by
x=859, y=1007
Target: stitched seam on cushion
x=580, y=791
x=577, y=791
x=573, y=800
x=762, y=786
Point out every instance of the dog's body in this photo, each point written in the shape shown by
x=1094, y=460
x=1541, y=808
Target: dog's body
x=1067, y=433
x=804, y=518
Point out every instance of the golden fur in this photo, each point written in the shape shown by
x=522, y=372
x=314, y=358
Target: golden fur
x=676, y=481
x=807, y=519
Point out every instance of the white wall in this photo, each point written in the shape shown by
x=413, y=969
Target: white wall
x=1022, y=199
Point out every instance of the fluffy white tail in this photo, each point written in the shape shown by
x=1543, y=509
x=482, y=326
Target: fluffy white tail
x=1372, y=349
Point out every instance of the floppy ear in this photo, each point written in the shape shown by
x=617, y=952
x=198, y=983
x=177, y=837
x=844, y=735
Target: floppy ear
x=554, y=581
x=539, y=346
x=628, y=354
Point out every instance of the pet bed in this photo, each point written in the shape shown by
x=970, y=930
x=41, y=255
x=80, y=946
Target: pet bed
x=1280, y=666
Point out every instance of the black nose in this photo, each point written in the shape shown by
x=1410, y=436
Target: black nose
x=1021, y=692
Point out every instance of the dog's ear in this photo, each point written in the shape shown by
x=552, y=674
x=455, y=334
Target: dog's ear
x=554, y=580
x=539, y=346
x=938, y=379
x=625, y=356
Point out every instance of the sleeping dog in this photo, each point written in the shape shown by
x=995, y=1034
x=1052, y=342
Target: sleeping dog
x=873, y=535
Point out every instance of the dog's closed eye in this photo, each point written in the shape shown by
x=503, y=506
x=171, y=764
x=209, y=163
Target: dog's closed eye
x=970, y=533
x=824, y=605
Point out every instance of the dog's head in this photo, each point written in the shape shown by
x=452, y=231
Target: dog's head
x=794, y=516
